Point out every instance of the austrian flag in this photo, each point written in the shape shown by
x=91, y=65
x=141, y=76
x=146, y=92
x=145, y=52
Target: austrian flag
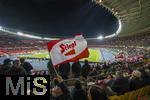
x=68, y=50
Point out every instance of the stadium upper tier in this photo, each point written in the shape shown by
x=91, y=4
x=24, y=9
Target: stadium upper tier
x=9, y=42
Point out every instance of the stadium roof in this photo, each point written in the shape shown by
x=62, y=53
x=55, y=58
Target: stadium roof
x=57, y=18
x=134, y=14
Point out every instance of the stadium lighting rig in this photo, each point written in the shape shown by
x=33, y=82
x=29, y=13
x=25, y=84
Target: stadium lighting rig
x=19, y=33
x=100, y=37
x=26, y=34
x=97, y=1
x=119, y=27
x=1, y=27
x=7, y=30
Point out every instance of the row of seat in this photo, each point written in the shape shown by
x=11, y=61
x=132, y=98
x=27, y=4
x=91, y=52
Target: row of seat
x=133, y=95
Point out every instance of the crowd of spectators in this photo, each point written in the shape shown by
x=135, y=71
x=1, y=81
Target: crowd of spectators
x=88, y=82
x=15, y=67
x=11, y=44
x=134, y=40
x=101, y=81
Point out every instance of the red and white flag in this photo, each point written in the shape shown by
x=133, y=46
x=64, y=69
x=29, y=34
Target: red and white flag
x=67, y=50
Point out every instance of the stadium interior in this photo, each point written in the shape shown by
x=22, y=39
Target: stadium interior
x=118, y=66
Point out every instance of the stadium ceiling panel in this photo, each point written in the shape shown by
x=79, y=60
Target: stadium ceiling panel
x=134, y=14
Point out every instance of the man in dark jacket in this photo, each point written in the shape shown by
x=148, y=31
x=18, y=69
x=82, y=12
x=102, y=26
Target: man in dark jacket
x=26, y=65
x=4, y=69
x=64, y=70
x=78, y=93
x=86, y=69
x=120, y=85
x=76, y=69
x=135, y=80
x=145, y=78
x=17, y=69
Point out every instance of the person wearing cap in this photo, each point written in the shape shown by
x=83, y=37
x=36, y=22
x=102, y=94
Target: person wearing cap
x=5, y=68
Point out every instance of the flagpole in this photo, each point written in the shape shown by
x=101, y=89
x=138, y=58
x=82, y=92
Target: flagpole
x=54, y=68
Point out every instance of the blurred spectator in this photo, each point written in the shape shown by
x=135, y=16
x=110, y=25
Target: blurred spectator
x=60, y=90
x=96, y=93
x=76, y=69
x=85, y=69
x=109, y=80
x=120, y=85
x=5, y=68
x=105, y=87
x=64, y=70
x=78, y=93
x=26, y=65
x=17, y=69
x=144, y=77
x=135, y=81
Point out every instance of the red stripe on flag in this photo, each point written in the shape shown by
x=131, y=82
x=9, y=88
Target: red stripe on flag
x=70, y=52
x=84, y=54
x=51, y=44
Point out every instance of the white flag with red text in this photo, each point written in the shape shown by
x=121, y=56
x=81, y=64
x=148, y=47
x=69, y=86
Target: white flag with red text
x=68, y=50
